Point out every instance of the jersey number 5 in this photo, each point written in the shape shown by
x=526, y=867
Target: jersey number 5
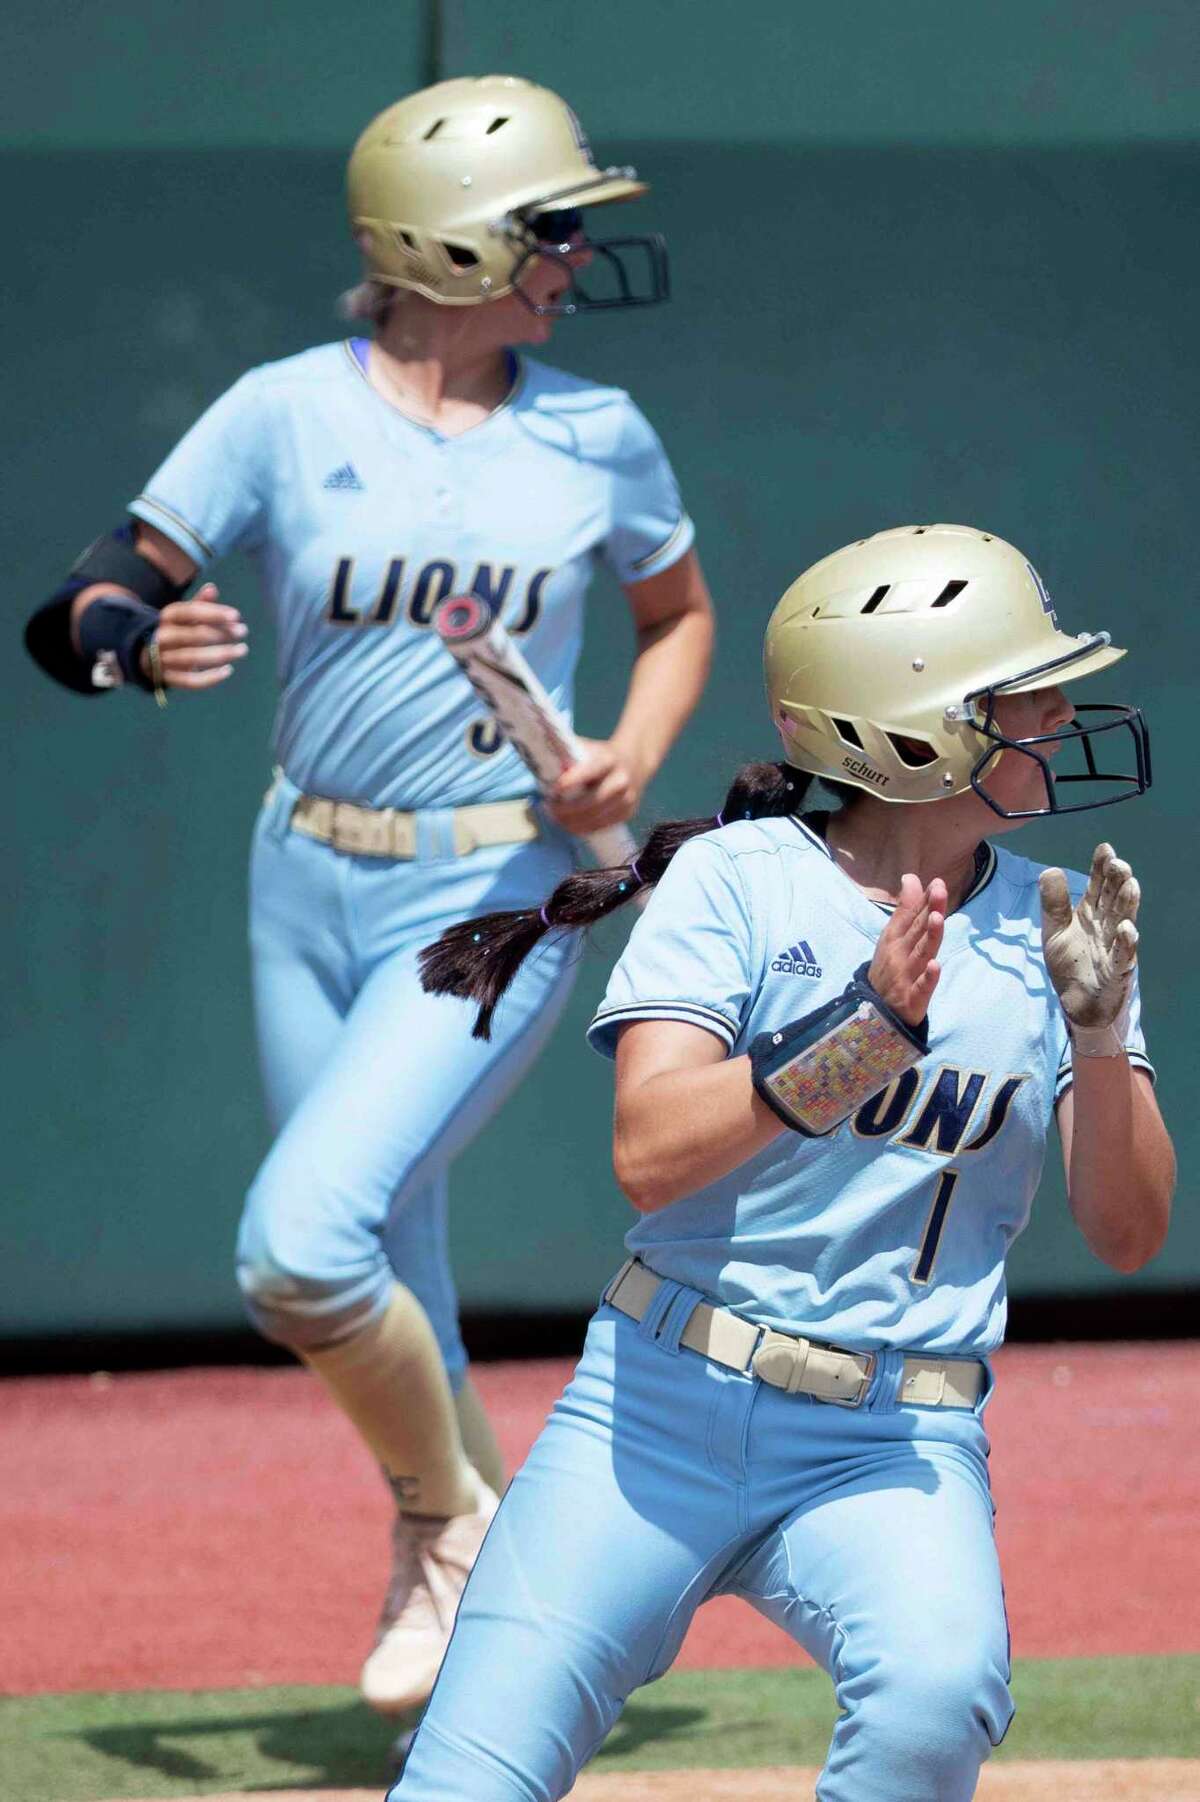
x=922, y=1270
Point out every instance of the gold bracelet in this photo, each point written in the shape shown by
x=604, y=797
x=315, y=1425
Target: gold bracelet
x=154, y=658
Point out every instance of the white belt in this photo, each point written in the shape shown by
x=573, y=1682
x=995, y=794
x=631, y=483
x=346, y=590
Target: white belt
x=801, y=1366
x=387, y=832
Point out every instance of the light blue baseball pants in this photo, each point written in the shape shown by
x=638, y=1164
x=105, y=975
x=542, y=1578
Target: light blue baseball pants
x=662, y=1479
x=374, y=1085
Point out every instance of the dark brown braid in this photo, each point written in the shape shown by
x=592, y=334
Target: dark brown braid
x=477, y=959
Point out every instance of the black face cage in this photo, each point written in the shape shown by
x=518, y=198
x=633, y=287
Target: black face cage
x=616, y=259
x=1125, y=785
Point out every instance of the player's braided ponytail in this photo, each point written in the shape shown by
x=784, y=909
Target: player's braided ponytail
x=477, y=959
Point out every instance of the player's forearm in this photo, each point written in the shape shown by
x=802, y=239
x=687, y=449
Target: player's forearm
x=679, y=1130
x=670, y=669
x=1122, y=1166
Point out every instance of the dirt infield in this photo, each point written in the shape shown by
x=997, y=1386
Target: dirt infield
x=222, y=1529
x=1115, y=1780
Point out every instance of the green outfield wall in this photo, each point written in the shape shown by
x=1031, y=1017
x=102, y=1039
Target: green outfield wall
x=885, y=310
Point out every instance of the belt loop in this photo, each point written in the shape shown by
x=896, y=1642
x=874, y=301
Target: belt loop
x=883, y=1397
x=434, y=829
x=652, y=1321
x=278, y=805
x=684, y=1303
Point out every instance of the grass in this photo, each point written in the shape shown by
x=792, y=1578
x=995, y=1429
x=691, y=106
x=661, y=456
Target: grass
x=91, y=1748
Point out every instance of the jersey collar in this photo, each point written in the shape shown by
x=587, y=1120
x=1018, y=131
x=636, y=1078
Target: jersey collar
x=356, y=351
x=985, y=868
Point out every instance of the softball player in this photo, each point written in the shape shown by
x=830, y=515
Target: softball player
x=839, y=1041
x=368, y=480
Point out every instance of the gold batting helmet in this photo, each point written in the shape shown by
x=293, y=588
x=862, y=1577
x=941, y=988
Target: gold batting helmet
x=453, y=190
x=883, y=663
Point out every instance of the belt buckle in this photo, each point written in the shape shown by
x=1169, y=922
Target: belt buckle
x=781, y=1360
x=866, y=1378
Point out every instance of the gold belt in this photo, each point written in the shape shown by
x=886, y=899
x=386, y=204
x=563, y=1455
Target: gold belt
x=388, y=832
x=801, y=1366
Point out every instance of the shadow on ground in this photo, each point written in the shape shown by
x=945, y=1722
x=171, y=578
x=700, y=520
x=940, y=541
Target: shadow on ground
x=345, y=1747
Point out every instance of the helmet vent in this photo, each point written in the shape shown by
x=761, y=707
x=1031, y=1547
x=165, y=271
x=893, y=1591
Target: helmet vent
x=461, y=255
x=407, y=240
x=847, y=734
x=495, y=126
x=876, y=598
x=949, y=593
x=913, y=752
x=433, y=130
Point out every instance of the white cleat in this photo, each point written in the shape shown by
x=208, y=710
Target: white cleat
x=432, y=1557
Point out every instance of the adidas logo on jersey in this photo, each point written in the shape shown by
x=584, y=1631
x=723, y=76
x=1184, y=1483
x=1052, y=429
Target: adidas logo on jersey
x=800, y=960
x=343, y=478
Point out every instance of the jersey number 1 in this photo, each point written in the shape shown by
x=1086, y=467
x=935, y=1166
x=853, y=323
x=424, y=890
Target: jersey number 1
x=923, y=1268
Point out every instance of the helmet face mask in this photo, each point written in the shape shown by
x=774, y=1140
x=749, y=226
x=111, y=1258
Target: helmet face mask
x=1077, y=735
x=885, y=662
x=620, y=272
x=447, y=189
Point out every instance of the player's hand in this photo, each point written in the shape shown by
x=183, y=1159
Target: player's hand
x=904, y=969
x=602, y=789
x=200, y=642
x=1091, y=949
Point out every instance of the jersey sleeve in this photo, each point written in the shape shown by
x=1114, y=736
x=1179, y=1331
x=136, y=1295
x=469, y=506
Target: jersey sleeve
x=1135, y=1045
x=208, y=495
x=689, y=956
x=648, y=528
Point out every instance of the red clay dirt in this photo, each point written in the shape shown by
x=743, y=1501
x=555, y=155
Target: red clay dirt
x=1113, y=1780
x=222, y=1528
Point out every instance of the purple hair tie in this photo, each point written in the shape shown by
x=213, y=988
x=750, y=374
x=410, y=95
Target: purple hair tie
x=545, y=916
x=635, y=872
x=720, y=819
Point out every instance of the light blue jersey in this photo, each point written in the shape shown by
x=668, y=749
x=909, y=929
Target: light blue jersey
x=892, y=1231
x=360, y=520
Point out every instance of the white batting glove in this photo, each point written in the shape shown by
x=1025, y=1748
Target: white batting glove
x=1091, y=951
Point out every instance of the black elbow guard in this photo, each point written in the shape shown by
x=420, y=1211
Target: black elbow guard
x=120, y=629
